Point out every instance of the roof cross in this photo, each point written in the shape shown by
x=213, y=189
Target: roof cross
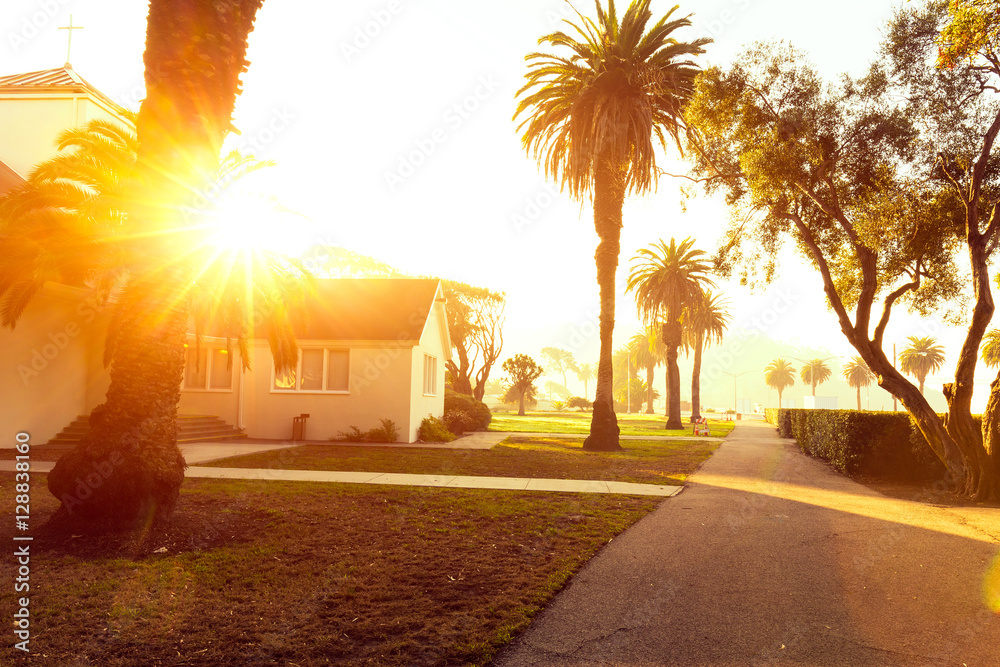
x=69, y=42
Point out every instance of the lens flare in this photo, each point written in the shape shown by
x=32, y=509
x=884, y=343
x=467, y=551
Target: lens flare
x=991, y=586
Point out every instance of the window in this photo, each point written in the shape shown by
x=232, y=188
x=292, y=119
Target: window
x=318, y=370
x=207, y=369
x=430, y=375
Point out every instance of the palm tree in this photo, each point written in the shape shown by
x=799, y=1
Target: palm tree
x=704, y=323
x=591, y=119
x=814, y=373
x=921, y=357
x=991, y=348
x=643, y=347
x=779, y=375
x=181, y=126
x=585, y=373
x=667, y=281
x=858, y=375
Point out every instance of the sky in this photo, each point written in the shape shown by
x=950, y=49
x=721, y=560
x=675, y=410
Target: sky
x=391, y=125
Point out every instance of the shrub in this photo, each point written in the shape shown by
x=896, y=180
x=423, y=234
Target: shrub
x=433, y=429
x=477, y=415
x=882, y=444
x=459, y=421
x=558, y=406
x=578, y=402
x=386, y=432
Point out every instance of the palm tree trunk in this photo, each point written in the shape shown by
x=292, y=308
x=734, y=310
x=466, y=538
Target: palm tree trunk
x=696, y=379
x=779, y=399
x=859, y=398
x=609, y=198
x=128, y=469
x=649, y=390
x=672, y=340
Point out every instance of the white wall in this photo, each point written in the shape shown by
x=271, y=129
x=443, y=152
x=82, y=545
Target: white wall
x=46, y=362
x=39, y=120
x=432, y=342
x=379, y=388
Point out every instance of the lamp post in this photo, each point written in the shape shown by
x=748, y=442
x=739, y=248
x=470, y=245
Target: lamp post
x=734, y=376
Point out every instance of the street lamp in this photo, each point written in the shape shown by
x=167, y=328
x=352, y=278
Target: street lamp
x=734, y=376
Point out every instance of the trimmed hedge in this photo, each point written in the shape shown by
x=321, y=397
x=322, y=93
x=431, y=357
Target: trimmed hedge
x=887, y=445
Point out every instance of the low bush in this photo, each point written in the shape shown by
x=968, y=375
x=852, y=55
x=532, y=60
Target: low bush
x=433, y=429
x=387, y=431
x=475, y=415
x=882, y=444
x=578, y=402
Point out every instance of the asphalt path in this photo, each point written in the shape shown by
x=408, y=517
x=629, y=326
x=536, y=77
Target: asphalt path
x=769, y=557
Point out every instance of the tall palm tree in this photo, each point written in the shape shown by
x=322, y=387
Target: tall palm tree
x=858, y=375
x=921, y=357
x=591, y=118
x=815, y=372
x=779, y=375
x=704, y=323
x=181, y=126
x=643, y=347
x=667, y=281
x=585, y=373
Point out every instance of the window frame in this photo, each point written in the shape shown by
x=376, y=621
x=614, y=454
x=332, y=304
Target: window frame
x=325, y=377
x=431, y=376
x=208, y=351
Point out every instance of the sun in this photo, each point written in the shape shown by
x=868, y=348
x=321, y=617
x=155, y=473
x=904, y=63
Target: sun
x=249, y=221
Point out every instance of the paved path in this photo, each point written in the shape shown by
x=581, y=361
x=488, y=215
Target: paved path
x=770, y=558
x=204, y=452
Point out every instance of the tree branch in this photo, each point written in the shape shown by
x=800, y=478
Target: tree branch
x=890, y=300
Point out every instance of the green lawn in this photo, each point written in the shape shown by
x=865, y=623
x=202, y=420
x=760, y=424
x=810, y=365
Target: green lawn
x=281, y=573
x=579, y=422
x=643, y=461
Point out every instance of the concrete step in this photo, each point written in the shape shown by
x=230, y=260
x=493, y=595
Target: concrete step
x=190, y=428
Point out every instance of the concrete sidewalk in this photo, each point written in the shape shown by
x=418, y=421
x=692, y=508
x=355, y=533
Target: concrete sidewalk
x=203, y=452
x=771, y=558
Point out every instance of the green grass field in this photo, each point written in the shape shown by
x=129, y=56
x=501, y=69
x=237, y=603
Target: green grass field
x=579, y=423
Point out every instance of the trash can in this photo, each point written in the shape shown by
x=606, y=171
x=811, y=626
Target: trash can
x=299, y=427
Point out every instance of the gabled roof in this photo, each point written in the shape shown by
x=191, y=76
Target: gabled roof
x=9, y=179
x=61, y=79
x=370, y=309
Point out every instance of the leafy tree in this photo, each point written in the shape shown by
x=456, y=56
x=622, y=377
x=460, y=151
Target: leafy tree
x=512, y=397
x=920, y=358
x=644, y=348
x=857, y=375
x=880, y=182
x=522, y=372
x=626, y=380
x=560, y=361
x=585, y=373
x=668, y=281
x=704, y=323
x=779, y=375
x=590, y=121
x=815, y=372
x=578, y=402
x=475, y=323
